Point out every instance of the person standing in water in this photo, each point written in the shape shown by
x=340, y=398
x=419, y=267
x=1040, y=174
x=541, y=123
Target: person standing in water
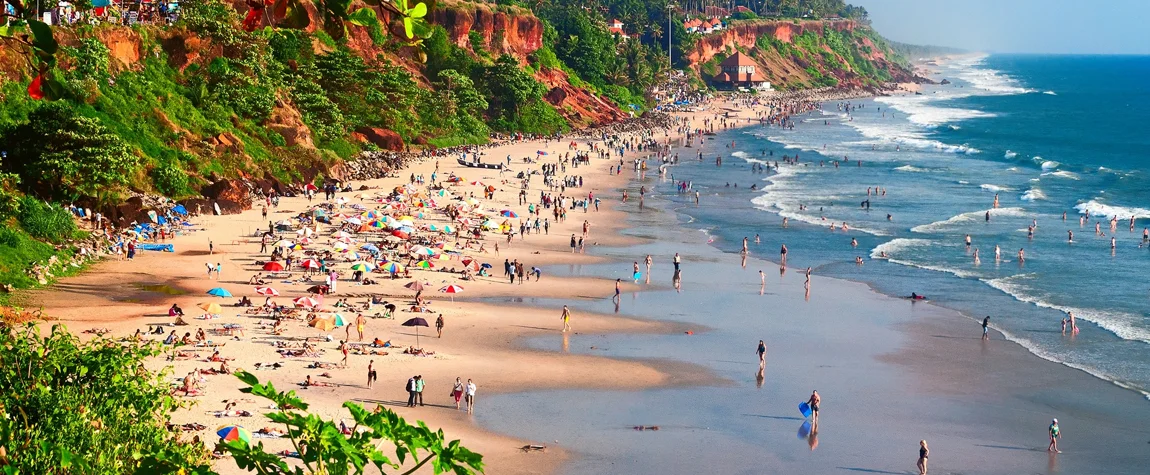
x=923, y=455
x=997, y=253
x=1055, y=433
x=814, y=403
x=762, y=351
x=566, y=317
x=648, y=260
x=996, y=201
x=783, y=254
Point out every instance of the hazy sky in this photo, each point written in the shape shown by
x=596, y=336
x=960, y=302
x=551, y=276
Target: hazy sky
x=1022, y=26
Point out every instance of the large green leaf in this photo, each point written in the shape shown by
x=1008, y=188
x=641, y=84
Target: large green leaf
x=43, y=39
x=363, y=17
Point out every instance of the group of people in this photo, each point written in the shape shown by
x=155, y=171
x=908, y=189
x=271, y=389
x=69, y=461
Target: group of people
x=416, y=384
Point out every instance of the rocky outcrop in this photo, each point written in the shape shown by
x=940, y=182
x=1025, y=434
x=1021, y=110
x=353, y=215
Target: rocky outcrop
x=516, y=33
x=230, y=194
x=580, y=107
x=288, y=122
x=745, y=34
x=792, y=70
x=382, y=138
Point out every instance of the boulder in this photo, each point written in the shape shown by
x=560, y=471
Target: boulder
x=382, y=138
x=231, y=191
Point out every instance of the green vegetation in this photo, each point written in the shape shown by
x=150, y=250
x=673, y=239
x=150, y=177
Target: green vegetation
x=68, y=406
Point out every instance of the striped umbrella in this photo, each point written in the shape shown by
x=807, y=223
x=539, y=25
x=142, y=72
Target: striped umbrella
x=309, y=264
x=392, y=267
x=362, y=266
x=305, y=302
x=267, y=291
x=425, y=264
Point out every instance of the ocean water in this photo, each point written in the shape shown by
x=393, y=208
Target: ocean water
x=1048, y=134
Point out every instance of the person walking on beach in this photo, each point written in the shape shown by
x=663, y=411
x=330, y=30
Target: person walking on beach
x=439, y=325
x=985, y=322
x=360, y=323
x=762, y=351
x=923, y=454
x=566, y=317
x=618, y=290
x=677, y=260
x=814, y=403
x=343, y=349
x=469, y=394
x=572, y=243
x=1055, y=433
x=457, y=392
x=211, y=247
x=371, y=375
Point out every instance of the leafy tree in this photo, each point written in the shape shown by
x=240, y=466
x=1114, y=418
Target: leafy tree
x=509, y=87
x=68, y=155
x=460, y=92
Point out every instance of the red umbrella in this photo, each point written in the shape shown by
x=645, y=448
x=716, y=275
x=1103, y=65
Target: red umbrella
x=400, y=234
x=309, y=264
x=273, y=267
x=267, y=291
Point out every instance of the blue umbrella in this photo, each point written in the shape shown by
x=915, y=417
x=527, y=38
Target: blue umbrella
x=220, y=292
x=370, y=248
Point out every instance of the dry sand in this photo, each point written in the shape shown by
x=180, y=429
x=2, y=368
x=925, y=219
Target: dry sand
x=479, y=341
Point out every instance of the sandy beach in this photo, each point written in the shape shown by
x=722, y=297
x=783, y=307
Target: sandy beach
x=624, y=362
x=480, y=340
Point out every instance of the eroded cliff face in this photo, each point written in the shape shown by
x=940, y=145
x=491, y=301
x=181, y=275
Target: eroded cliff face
x=790, y=70
x=745, y=34
x=515, y=34
x=580, y=107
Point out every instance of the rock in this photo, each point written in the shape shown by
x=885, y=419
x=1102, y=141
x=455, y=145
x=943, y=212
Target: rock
x=229, y=191
x=945, y=82
x=288, y=122
x=382, y=138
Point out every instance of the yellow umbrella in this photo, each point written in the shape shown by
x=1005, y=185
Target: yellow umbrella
x=322, y=324
x=212, y=308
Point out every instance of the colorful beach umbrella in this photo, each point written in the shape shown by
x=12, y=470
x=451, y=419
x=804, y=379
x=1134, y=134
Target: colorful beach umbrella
x=267, y=291
x=392, y=267
x=220, y=292
x=338, y=320
x=309, y=264
x=231, y=432
x=508, y=214
x=362, y=266
x=273, y=266
x=425, y=265
x=284, y=243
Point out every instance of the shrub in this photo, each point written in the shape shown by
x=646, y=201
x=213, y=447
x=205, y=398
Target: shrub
x=41, y=221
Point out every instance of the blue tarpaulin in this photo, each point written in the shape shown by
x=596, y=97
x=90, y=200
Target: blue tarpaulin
x=157, y=247
x=180, y=210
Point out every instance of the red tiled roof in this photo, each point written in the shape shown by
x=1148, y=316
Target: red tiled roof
x=737, y=59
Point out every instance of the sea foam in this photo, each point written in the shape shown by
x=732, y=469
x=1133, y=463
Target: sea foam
x=1097, y=208
x=969, y=217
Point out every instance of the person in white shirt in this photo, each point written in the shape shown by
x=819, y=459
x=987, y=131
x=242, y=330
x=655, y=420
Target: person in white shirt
x=469, y=393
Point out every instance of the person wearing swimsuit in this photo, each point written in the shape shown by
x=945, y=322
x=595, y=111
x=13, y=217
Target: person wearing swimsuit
x=762, y=351
x=923, y=454
x=814, y=403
